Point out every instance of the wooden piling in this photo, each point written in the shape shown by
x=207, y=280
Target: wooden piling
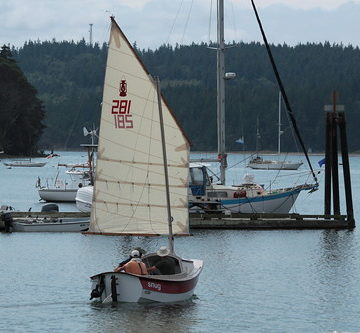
x=328, y=162
x=346, y=169
x=335, y=119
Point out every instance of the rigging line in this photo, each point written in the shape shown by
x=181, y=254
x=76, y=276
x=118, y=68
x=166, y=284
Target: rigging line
x=210, y=18
x=282, y=89
x=173, y=25
x=292, y=131
x=234, y=21
x=187, y=22
x=234, y=165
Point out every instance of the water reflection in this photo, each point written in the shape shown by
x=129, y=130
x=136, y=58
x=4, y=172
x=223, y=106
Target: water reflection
x=335, y=273
x=134, y=318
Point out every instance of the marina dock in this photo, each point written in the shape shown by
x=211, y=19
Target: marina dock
x=233, y=221
x=268, y=221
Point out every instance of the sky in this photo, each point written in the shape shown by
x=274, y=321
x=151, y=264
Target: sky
x=152, y=23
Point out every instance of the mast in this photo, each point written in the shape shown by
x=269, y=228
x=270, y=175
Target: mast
x=221, y=90
x=161, y=120
x=90, y=31
x=258, y=136
x=279, y=128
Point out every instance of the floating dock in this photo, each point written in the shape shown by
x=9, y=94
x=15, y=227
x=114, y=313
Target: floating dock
x=268, y=221
x=233, y=221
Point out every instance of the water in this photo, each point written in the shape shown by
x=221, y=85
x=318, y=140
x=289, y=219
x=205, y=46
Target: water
x=253, y=281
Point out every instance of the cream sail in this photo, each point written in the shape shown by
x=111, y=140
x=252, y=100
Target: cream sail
x=130, y=193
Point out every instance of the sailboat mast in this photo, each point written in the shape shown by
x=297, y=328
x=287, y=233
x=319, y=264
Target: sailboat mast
x=221, y=89
x=279, y=128
x=170, y=219
x=258, y=136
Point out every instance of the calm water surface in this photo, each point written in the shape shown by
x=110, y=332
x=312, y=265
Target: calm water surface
x=253, y=281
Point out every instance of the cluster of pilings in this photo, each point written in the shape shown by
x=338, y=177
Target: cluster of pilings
x=336, y=124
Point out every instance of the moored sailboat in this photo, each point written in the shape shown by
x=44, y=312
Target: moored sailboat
x=247, y=197
x=280, y=164
x=131, y=194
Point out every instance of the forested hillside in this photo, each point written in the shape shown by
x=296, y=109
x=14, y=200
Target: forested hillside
x=69, y=78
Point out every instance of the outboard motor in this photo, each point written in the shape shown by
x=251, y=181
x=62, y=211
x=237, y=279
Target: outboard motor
x=51, y=207
x=98, y=290
x=8, y=220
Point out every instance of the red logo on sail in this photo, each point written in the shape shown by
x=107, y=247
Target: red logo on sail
x=121, y=108
x=123, y=88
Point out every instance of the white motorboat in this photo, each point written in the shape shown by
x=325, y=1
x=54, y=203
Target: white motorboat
x=141, y=180
x=51, y=224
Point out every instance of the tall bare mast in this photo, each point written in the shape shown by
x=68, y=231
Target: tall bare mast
x=91, y=25
x=279, y=125
x=221, y=90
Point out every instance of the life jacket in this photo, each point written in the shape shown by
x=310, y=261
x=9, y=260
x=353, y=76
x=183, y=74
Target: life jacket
x=135, y=267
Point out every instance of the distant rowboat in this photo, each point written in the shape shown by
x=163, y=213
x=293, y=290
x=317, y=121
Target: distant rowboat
x=24, y=163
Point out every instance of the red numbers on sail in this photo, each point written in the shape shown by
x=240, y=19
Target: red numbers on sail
x=121, y=109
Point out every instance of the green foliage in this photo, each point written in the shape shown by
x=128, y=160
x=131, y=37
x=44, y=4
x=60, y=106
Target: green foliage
x=69, y=77
x=21, y=112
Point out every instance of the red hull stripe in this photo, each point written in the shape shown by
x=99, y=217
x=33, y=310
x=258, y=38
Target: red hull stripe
x=169, y=287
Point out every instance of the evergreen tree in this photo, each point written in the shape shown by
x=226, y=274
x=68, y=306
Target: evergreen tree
x=21, y=112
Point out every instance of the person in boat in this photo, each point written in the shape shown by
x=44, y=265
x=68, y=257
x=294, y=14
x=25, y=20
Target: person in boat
x=166, y=265
x=134, y=265
x=141, y=251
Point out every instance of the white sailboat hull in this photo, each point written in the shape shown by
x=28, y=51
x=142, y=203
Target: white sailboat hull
x=281, y=202
x=125, y=287
x=275, y=165
x=272, y=203
x=247, y=199
x=58, y=194
x=49, y=225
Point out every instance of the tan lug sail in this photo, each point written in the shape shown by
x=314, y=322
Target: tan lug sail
x=129, y=192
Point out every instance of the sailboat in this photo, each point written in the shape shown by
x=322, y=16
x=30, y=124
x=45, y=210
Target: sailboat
x=141, y=180
x=247, y=197
x=260, y=164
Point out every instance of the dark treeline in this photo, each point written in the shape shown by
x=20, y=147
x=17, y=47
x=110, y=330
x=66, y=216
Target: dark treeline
x=21, y=111
x=69, y=78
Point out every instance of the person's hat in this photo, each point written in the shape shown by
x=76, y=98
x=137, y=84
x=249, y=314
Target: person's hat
x=163, y=251
x=135, y=254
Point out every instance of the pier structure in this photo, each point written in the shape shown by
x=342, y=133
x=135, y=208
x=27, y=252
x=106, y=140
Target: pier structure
x=335, y=120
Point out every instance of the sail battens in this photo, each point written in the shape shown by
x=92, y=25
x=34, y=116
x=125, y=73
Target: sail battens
x=137, y=204
x=142, y=184
x=130, y=162
x=130, y=191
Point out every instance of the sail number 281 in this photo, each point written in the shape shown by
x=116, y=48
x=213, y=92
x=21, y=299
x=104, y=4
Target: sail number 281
x=122, y=114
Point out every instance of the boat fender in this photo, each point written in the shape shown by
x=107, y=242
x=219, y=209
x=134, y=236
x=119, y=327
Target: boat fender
x=113, y=288
x=240, y=194
x=97, y=292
